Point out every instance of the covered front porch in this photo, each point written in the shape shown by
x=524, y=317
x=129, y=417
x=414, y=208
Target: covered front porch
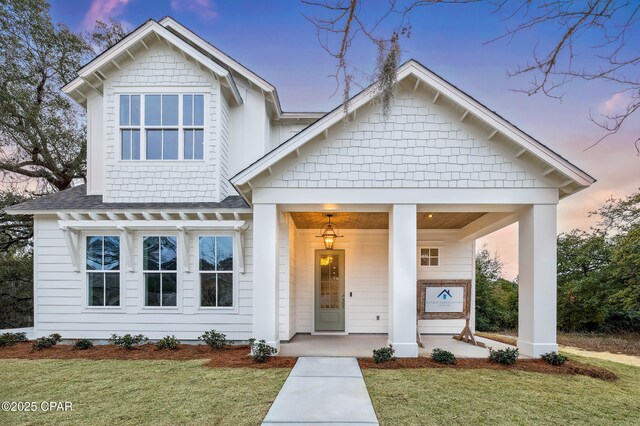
x=384, y=250
x=362, y=345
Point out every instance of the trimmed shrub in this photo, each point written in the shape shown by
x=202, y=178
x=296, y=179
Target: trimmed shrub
x=554, y=358
x=506, y=356
x=443, y=357
x=260, y=351
x=214, y=339
x=46, y=342
x=168, y=342
x=384, y=354
x=128, y=341
x=83, y=344
x=10, y=339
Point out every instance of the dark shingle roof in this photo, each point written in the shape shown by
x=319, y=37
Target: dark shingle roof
x=77, y=199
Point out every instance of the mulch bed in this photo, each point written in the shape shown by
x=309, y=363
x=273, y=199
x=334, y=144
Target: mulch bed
x=232, y=356
x=530, y=365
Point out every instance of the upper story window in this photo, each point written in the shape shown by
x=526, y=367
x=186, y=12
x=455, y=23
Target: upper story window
x=162, y=127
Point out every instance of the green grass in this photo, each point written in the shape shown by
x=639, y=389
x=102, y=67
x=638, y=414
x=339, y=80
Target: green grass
x=139, y=392
x=468, y=397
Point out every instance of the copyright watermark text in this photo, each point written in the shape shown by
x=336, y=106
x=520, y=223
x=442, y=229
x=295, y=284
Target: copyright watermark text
x=46, y=406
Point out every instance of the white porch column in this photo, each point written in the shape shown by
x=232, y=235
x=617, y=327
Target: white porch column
x=265, y=274
x=402, y=279
x=537, y=280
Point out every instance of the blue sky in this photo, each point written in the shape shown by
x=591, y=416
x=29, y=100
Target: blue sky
x=274, y=39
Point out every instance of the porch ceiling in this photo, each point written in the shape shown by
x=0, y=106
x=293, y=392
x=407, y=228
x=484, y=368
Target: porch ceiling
x=367, y=220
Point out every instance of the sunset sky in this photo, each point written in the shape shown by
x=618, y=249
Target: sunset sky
x=274, y=39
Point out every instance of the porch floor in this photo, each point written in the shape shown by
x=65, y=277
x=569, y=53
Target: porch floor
x=362, y=345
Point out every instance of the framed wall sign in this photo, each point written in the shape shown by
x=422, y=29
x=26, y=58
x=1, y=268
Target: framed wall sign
x=444, y=299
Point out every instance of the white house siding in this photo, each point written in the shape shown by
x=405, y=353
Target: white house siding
x=160, y=70
x=420, y=145
x=281, y=132
x=457, y=262
x=366, y=264
x=95, y=147
x=60, y=295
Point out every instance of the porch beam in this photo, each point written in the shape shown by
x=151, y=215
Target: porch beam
x=485, y=225
x=452, y=196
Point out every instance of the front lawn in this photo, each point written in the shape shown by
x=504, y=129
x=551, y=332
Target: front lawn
x=112, y=392
x=458, y=396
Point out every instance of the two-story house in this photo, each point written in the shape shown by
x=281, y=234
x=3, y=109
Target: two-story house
x=205, y=204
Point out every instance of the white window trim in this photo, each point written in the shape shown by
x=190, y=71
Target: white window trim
x=236, y=252
x=85, y=282
x=422, y=247
x=180, y=127
x=179, y=271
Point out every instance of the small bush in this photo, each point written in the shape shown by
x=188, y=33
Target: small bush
x=83, y=344
x=443, y=357
x=168, y=342
x=506, y=356
x=554, y=358
x=46, y=342
x=10, y=339
x=128, y=341
x=214, y=339
x=384, y=354
x=260, y=351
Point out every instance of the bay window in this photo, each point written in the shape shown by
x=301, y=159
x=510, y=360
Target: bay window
x=160, y=127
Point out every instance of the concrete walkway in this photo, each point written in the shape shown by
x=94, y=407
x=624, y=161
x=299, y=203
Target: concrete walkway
x=323, y=390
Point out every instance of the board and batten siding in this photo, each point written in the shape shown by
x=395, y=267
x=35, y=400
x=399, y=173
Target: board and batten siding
x=60, y=294
x=366, y=279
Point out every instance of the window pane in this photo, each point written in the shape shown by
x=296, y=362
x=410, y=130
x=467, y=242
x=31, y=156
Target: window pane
x=187, y=110
x=96, y=288
x=152, y=289
x=112, y=289
x=170, y=145
x=94, y=253
x=111, y=253
x=124, y=110
x=151, y=253
x=207, y=255
x=125, y=146
x=169, y=289
x=433, y=252
x=207, y=289
x=170, y=110
x=225, y=289
x=168, y=253
x=198, y=145
x=224, y=253
x=135, y=144
x=188, y=144
x=152, y=110
x=198, y=110
x=154, y=144
x=434, y=261
x=135, y=110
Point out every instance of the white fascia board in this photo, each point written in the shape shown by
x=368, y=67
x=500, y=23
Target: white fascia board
x=138, y=35
x=441, y=86
x=131, y=211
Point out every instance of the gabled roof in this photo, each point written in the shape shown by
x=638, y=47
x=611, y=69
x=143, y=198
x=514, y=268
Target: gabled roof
x=555, y=163
x=91, y=76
